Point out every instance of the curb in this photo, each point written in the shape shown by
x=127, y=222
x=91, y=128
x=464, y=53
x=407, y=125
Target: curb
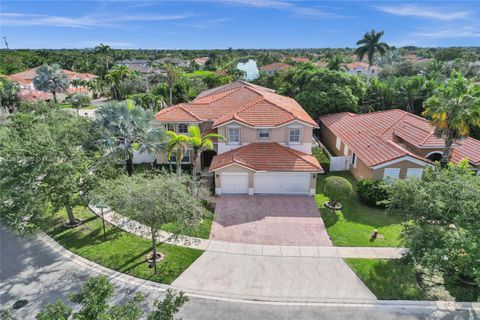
x=133, y=281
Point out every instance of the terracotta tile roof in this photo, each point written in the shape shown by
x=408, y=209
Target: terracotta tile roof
x=267, y=157
x=379, y=137
x=301, y=59
x=26, y=77
x=201, y=61
x=275, y=66
x=241, y=101
x=321, y=64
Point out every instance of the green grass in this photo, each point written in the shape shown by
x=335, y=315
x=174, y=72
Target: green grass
x=198, y=73
x=122, y=251
x=400, y=280
x=200, y=231
x=69, y=106
x=353, y=225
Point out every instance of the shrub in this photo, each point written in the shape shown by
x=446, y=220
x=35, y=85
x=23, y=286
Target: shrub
x=322, y=158
x=371, y=192
x=337, y=189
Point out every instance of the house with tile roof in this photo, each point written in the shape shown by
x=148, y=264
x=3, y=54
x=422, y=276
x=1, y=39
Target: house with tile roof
x=360, y=67
x=389, y=144
x=268, y=139
x=274, y=67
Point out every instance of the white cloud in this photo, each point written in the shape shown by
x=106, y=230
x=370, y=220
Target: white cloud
x=411, y=10
x=94, y=43
x=87, y=21
x=465, y=32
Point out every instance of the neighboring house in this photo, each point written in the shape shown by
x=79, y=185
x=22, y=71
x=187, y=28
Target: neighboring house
x=28, y=91
x=145, y=69
x=182, y=63
x=268, y=139
x=272, y=68
x=361, y=68
x=416, y=59
x=321, y=64
x=389, y=144
x=301, y=59
x=201, y=61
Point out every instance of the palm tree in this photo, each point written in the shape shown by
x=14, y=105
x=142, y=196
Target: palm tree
x=200, y=141
x=336, y=62
x=369, y=46
x=177, y=145
x=172, y=75
x=51, y=79
x=413, y=89
x=126, y=128
x=104, y=50
x=115, y=78
x=454, y=109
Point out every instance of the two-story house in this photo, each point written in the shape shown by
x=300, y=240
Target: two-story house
x=268, y=139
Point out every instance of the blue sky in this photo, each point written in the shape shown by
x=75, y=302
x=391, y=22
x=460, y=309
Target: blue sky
x=236, y=23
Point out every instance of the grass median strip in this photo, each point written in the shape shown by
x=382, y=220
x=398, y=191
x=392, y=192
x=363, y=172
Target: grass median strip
x=122, y=251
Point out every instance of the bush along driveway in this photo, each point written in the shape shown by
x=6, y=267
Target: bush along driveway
x=121, y=251
x=354, y=224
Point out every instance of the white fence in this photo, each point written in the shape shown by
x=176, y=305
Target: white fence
x=339, y=163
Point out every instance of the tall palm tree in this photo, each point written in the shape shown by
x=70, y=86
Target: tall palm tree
x=115, y=78
x=454, y=109
x=51, y=79
x=413, y=89
x=104, y=50
x=177, y=144
x=369, y=46
x=172, y=75
x=200, y=141
x=126, y=128
x=336, y=62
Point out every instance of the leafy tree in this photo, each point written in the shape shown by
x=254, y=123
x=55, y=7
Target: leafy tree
x=168, y=307
x=176, y=145
x=448, y=54
x=216, y=80
x=55, y=311
x=50, y=79
x=336, y=62
x=442, y=208
x=154, y=201
x=373, y=192
x=125, y=128
x=403, y=68
x=115, y=79
x=172, y=75
x=454, y=109
x=380, y=95
x=45, y=165
x=79, y=100
x=413, y=91
x=200, y=141
x=337, y=189
x=147, y=101
x=369, y=46
x=9, y=99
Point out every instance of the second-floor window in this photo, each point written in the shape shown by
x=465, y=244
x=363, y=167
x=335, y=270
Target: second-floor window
x=186, y=157
x=182, y=128
x=170, y=127
x=294, y=135
x=234, y=135
x=264, y=134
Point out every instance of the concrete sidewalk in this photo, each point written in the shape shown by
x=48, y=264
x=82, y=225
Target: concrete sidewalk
x=141, y=230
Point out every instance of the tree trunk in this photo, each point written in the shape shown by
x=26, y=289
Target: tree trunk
x=368, y=72
x=130, y=165
x=55, y=96
x=154, y=249
x=179, y=166
x=447, y=152
x=171, y=95
x=195, y=167
x=71, y=217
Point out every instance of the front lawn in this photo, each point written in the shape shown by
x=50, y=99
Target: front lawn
x=122, y=251
x=200, y=231
x=353, y=225
x=399, y=280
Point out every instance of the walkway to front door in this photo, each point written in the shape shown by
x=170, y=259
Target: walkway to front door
x=269, y=220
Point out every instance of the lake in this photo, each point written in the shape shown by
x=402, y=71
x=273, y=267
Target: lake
x=250, y=67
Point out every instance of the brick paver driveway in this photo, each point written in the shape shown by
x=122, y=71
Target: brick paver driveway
x=269, y=220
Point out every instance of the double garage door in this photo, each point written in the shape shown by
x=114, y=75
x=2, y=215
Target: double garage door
x=266, y=183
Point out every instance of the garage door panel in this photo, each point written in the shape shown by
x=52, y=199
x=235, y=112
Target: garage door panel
x=234, y=183
x=282, y=183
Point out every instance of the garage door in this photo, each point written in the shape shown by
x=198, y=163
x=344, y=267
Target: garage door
x=282, y=183
x=234, y=183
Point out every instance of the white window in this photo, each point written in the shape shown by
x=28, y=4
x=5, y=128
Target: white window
x=170, y=127
x=264, y=134
x=234, y=135
x=391, y=174
x=338, y=143
x=186, y=157
x=182, y=128
x=294, y=135
x=345, y=150
x=414, y=172
x=354, y=160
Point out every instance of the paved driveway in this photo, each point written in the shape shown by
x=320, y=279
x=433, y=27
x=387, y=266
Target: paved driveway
x=269, y=220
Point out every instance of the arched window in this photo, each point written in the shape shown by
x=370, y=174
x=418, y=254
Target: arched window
x=434, y=156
